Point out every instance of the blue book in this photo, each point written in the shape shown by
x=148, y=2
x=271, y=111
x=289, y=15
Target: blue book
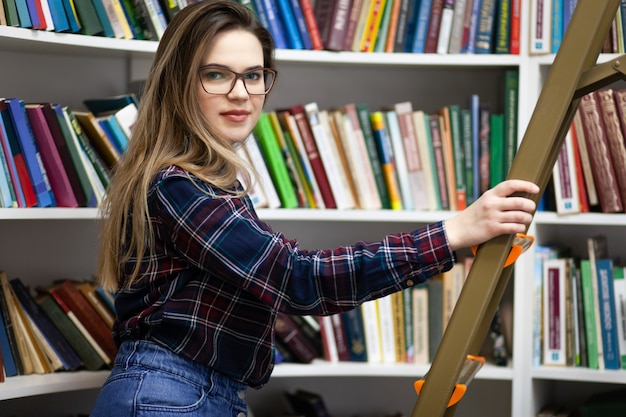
x=10, y=148
x=407, y=21
x=421, y=27
x=10, y=369
x=558, y=14
x=70, y=360
x=275, y=26
x=608, y=316
x=301, y=24
x=260, y=11
x=34, y=15
x=484, y=32
x=292, y=33
x=23, y=14
x=355, y=334
x=111, y=126
x=107, y=29
x=71, y=16
x=7, y=196
x=36, y=170
x=473, y=30
x=59, y=18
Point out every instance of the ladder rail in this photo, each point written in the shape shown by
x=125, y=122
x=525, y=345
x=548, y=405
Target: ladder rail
x=536, y=156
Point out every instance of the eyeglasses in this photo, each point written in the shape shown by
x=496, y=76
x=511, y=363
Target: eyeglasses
x=220, y=80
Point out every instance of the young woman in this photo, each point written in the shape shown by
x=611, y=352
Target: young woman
x=199, y=278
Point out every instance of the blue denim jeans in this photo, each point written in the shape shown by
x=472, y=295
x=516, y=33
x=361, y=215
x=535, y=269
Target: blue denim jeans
x=148, y=380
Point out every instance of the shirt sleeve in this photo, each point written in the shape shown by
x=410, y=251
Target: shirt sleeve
x=222, y=236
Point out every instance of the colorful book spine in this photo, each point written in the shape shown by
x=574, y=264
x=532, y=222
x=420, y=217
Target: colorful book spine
x=387, y=160
x=606, y=294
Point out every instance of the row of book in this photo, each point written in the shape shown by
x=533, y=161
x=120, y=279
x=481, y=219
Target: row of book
x=65, y=326
x=52, y=156
x=398, y=158
x=123, y=19
x=590, y=173
x=405, y=327
x=549, y=20
x=415, y=26
x=580, y=308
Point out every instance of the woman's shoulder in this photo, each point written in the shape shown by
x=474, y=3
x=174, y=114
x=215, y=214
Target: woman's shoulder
x=175, y=176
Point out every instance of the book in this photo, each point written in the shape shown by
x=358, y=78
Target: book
x=456, y=194
x=583, y=201
x=435, y=315
x=69, y=359
x=484, y=148
x=292, y=33
x=337, y=24
x=456, y=28
x=486, y=23
x=434, y=25
x=511, y=97
x=98, y=137
x=58, y=177
x=329, y=156
x=8, y=346
x=88, y=17
x=585, y=160
x=353, y=21
x=58, y=16
x=540, y=24
x=327, y=334
x=387, y=332
x=374, y=153
x=608, y=316
x=419, y=295
x=275, y=24
x=11, y=14
x=420, y=33
x=372, y=25
x=311, y=23
x=264, y=134
x=80, y=307
x=8, y=172
x=296, y=178
x=395, y=9
x=502, y=27
x=387, y=163
x=340, y=337
x=300, y=20
x=103, y=18
x=72, y=17
x=596, y=139
x=554, y=278
x=25, y=194
x=397, y=145
x=515, y=27
x=399, y=330
x=619, y=289
x=371, y=329
x=88, y=290
x=615, y=138
x=292, y=337
x=458, y=155
x=440, y=173
x=425, y=147
x=597, y=248
x=564, y=176
x=445, y=27
x=470, y=31
x=417, y=180
x=32, y=156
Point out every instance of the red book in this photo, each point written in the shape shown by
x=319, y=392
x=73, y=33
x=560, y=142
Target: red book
x=599, y=154
x=288, y=332
x=311, y=23
x=614, y=135
x=580, y=176
x=59, y=181
x=514, y=39
x=308, y=140
x=90, y=319
x=432, y=35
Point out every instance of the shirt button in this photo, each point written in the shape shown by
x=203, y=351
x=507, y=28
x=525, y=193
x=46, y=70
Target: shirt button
x=271, y=367
x=242, y=414
x=241, y=394
x=409, y=282
x=440, y=267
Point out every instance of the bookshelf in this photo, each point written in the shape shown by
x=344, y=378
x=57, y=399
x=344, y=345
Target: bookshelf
x=41, y=245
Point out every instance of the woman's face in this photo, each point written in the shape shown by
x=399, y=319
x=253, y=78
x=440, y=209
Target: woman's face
x=232, y=114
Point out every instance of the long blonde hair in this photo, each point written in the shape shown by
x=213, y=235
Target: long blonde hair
x=171, y=130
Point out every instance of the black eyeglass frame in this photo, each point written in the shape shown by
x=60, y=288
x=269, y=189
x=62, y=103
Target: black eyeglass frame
x=238, y=75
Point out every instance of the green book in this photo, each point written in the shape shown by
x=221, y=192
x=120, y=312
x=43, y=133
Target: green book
x=459, y=153
x=589, y=310
x=468, y=146
x=511, y=97
x=90, y=358
x=370, y=143
x=10, y=9
x=496, y=159
x=88, y=17
x=264, y=134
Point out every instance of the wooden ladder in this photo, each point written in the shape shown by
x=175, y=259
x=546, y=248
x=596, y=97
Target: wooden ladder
x=573, y=74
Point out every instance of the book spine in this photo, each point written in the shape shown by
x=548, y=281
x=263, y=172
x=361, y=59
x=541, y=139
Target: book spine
x=421, y=27
x=338, y=25
x=292, y=32
x=485, y=33
x=311, y=22
x=515, y=27
x=301, y=25
x=434, y=24
x=540, y=22
x=554, y=312
x=608, y=316
x=387, y=162
x=503, y=27
x=292, y=337
x=445, y=27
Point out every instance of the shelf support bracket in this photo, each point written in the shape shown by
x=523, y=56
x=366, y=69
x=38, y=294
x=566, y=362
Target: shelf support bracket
x=572, y=74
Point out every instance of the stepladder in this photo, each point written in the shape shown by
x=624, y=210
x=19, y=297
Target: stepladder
x=573, y=73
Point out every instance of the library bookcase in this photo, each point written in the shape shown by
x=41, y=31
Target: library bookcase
x=42, y=245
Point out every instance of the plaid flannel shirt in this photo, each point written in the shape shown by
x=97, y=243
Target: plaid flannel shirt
x=218, y=275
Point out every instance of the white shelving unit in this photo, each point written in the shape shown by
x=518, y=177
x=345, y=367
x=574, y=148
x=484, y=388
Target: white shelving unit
x=41, y=245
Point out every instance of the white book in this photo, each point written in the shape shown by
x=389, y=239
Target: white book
x=399, y=159
x=265, y=180
x=369, y=312
x=420, y=324
x=424, y=146
x=127, y=117
x=540, y=27
x=330, y=158
x=445, y=29
x=387, y=334
x=456, y=31
x=255, y=190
